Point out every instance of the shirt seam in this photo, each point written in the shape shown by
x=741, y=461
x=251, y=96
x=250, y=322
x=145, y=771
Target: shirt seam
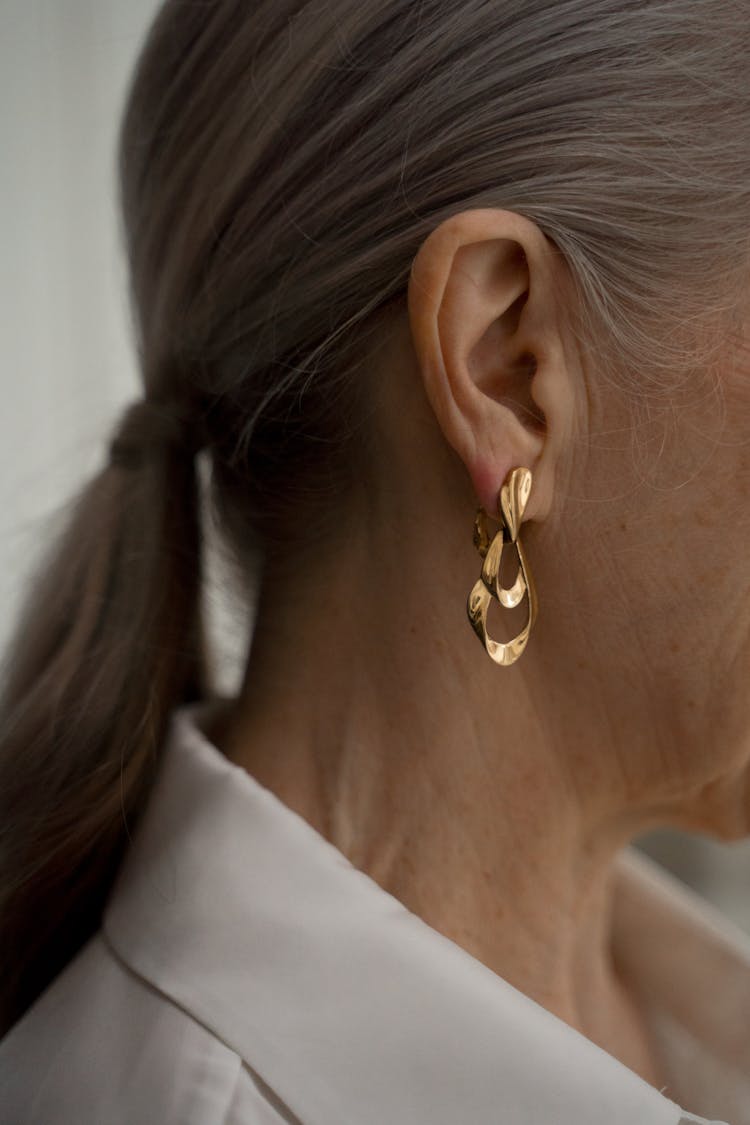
x=264, y=1089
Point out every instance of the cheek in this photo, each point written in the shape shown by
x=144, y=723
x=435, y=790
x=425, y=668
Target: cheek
x=732, y=474
x=733, y=379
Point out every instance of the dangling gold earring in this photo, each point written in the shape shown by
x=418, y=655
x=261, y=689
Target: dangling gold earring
x=512, y=500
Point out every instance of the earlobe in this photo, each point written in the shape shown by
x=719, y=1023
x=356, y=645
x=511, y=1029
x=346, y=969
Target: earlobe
x=483, y=310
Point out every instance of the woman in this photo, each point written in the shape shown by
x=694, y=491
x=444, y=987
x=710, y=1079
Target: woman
x=436, y=288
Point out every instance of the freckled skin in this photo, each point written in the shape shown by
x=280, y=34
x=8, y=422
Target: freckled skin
x=494, y=801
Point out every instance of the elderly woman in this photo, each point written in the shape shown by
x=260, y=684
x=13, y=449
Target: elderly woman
x=453, y=298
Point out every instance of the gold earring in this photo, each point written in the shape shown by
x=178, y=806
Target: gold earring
x=512, y=500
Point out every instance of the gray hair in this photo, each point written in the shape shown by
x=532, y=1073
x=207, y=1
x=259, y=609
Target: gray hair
x=281, y=162
x=348, y=131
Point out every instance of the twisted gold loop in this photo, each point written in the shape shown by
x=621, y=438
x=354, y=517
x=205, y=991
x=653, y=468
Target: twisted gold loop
x=512, y=500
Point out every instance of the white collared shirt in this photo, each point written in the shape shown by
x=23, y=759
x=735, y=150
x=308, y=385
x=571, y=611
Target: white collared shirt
x=246, y=973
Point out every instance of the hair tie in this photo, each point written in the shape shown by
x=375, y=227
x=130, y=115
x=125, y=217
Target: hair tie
x=149, y=427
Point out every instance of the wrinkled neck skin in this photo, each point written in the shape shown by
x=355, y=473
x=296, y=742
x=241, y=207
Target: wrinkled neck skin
x=441, y=775
x=493, y=801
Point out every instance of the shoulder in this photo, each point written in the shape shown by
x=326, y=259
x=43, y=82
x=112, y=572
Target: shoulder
x=101, y=1044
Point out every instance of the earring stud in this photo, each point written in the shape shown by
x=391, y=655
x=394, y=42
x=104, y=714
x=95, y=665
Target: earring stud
x=512, y=500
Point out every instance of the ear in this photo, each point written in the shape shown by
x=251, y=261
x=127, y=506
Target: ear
x=485, y=306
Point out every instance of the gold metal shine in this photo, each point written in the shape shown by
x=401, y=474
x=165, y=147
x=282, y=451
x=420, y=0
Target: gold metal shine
x=512, y=500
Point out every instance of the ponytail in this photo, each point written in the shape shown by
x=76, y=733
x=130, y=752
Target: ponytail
x=273, y=196
x=108, y=640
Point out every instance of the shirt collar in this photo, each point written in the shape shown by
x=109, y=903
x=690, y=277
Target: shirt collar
x=348, y=1005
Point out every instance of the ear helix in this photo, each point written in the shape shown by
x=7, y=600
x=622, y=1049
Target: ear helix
x=512, y=500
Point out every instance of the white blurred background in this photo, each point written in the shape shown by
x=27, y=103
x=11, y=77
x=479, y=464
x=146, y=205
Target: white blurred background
x=67, y=361
x=66, y=357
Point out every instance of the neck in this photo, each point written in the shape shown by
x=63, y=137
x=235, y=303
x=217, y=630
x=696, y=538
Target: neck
x=441, y=776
